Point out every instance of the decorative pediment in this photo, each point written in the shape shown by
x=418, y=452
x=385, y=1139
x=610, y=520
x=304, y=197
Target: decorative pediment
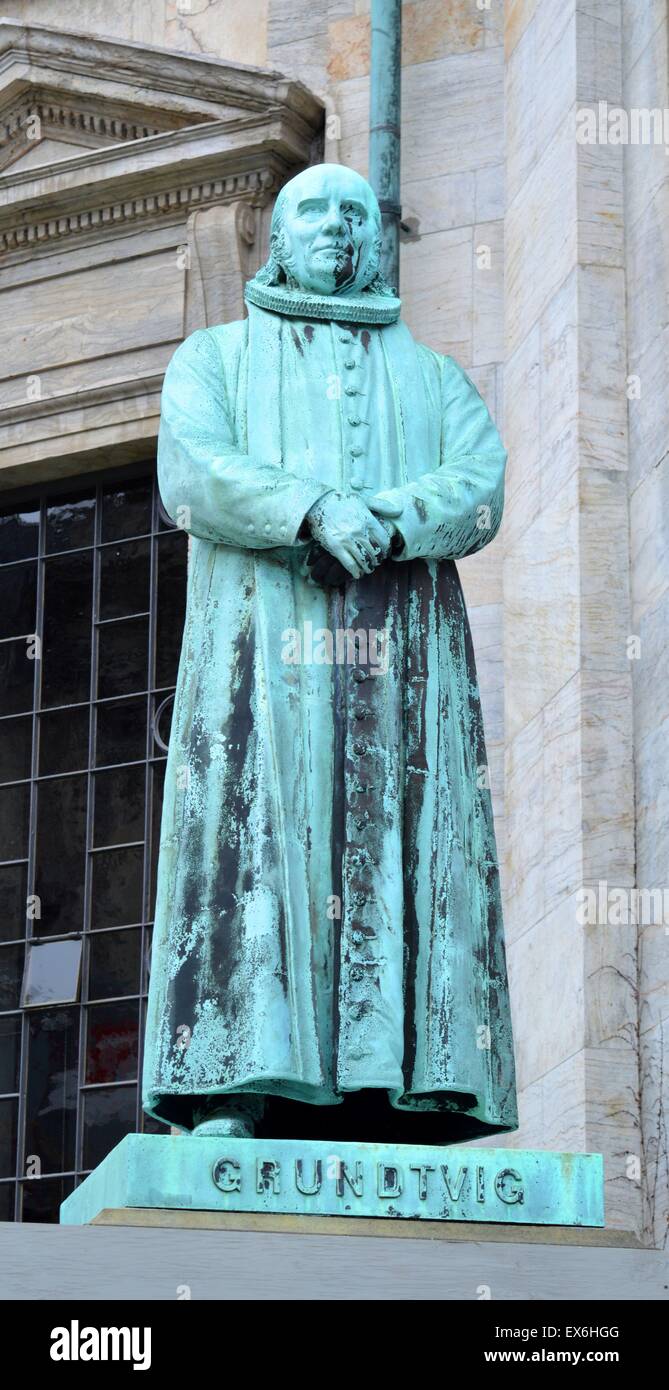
x=46, y=124
x=63, y=92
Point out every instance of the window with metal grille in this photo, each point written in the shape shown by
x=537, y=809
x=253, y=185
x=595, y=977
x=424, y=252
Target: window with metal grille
x=92, y=598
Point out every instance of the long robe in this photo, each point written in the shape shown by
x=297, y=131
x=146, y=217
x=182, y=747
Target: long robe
x=328, y=922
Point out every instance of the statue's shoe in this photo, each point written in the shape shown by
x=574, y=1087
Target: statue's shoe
x=225, y=1124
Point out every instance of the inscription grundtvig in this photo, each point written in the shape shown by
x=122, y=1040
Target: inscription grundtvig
x=385, y=1180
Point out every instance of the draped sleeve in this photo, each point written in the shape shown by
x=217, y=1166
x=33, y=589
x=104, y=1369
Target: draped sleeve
x=208, y=485
x=456, y=509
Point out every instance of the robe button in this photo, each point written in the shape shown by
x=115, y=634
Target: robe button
x=345, y=338
x=360, y=712
x=350, y=365
x=355, y=451
x=267, y=528
x=359, y=749
x=250, y=526
x=356, y=973
x=354, y=420
x=351, y=391
x=359, y=675
x=357, y=484
x=282, y=530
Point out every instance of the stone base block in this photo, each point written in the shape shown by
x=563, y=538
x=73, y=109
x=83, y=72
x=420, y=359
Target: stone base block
x=311, y=1177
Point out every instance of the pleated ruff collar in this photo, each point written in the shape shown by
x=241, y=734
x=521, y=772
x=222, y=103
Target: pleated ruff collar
x=299, y=303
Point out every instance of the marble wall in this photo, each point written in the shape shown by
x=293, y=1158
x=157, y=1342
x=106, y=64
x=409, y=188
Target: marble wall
x=234, y=31
x=568, y=673
x=646, y=85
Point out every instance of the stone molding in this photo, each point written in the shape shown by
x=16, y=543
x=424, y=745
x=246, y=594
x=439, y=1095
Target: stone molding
x=254, y=184
x=110, y=255
x=76, y=120
x=77, y=62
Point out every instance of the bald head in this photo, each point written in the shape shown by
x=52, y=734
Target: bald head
x=326, y=230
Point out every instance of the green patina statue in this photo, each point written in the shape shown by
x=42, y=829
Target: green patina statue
x=328, y=952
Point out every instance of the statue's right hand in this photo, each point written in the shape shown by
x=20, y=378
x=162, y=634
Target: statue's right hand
x=346, y=528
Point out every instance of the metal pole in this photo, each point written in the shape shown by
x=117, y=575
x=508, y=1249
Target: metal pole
x=384, y=127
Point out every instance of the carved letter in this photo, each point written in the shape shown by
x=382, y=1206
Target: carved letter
x=389, y=1181
x=316, y=1182
x=422, y=1169
x=354, y=1182
x=454, y=1194
x=268, y=1175
x=506, y=1194
x=226, y=1175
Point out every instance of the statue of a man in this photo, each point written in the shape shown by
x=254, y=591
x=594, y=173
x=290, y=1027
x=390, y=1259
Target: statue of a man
x=328, y=952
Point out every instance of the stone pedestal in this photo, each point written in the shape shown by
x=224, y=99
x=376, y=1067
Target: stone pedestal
x=315, y=1178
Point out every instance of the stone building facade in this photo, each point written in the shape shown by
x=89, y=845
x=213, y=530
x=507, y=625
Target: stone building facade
x=141, y=147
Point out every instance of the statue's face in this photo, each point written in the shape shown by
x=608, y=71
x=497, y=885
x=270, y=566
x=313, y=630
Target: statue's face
x=330, y=227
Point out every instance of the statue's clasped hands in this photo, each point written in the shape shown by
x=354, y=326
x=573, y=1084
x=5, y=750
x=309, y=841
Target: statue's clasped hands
x=352, y=537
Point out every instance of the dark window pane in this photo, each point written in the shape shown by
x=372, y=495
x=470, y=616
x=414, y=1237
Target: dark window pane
x=121, y=735
x=52, y=973
x=124, y=579
x=117, y=960
x=13, y=898
x=69, y=521
x=18, y=600
x=119, y=805
x=63, y=741
x=42, y=1198
x=123, y=657
x=66, y=649
x=158, y=784
x=14, y=821
x=172, y=556
x=11, y=975
x=114, y=963
x=8, y=1124
x=112, y=1042
x=19, y=534
x=17, y=676
x=126, y=509
x=117, y=887
x=51, y=1102
x=108, y=1116
x=7, y=1190
x=61, y=854
x=10, y=1051
x=16, y=741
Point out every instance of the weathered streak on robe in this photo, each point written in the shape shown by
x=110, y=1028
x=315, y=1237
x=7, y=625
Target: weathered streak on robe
x=291, y=786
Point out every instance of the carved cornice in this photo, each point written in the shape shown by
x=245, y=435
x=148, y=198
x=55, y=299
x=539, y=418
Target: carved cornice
x=163, y=175
x=251, y=185
x=73, y=61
